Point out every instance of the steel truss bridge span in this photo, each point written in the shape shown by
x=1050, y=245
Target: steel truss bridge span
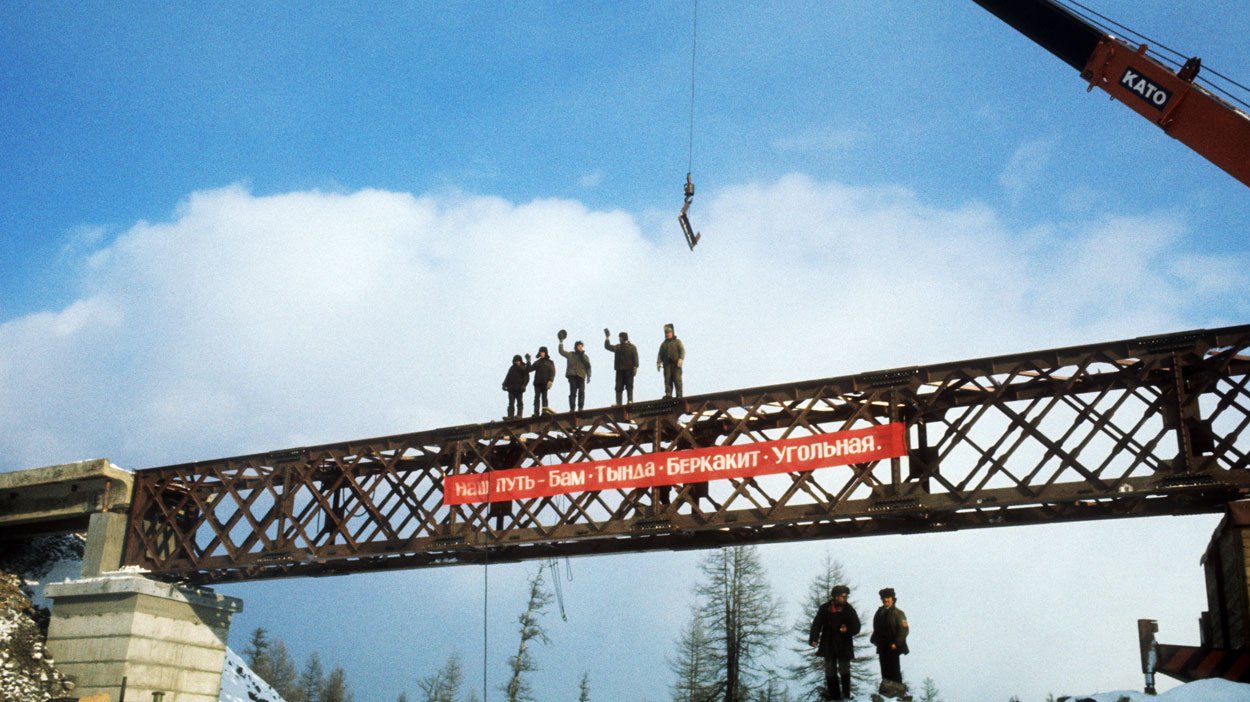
x=1146, y=426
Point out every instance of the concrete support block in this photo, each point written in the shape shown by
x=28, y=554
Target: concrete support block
x=159, y=636
x=106, y=533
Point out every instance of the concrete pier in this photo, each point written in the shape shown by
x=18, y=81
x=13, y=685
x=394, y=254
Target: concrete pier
x=158, y=636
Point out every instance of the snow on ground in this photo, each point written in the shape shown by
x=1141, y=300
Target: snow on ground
x=240, y=684
x=1199, y=691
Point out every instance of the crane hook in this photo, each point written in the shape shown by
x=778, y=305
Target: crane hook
x=692, y=237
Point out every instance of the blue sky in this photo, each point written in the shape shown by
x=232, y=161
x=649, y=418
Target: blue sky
x=241, y=227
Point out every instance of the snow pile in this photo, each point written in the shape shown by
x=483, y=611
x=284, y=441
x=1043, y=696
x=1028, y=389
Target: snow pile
x=240, y=684
x=1198, y=691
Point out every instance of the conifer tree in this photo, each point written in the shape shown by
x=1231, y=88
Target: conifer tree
x=257, y=654
x=283, y=674
x=583, y=688
x=311, y=680
x=809, y=672
x=741, y=616
x=444, y=686
x=929, y=691
x=518, y=689
x=335, y=687
x=694, y=664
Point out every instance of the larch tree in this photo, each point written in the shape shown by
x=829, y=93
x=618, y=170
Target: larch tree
x=809, y=672
x=444, y=686
x=335, y=687
x=583, y=688
x=257, y=654
x=311, y=680
x=741, y=616
x=518, y=688
x=694, y=665
x=283, y=672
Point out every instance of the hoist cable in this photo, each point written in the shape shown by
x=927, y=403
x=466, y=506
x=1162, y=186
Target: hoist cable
x=486, y=593
x=694, y=45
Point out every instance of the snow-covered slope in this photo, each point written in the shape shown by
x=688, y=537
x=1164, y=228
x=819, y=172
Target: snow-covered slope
x=240, y=684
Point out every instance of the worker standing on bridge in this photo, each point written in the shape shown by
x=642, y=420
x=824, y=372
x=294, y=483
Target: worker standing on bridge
x=889, y=635
x=514, y=383
x=672, y=354
x=577, y=372
x=833, y=635
x=625, y=363
x=544, y=375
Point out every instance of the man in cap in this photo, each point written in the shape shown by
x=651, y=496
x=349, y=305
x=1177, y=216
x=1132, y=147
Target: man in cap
x=625, y=363
x=833, y=634
x=889, y=635
x=577, y=372
x=672, y=354
x=544, y=374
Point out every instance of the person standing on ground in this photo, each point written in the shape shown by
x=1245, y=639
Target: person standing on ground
x=577, y=372
x=625, y=363
x=544, y=374
x=514, y=383
x=833, y=635
x=670, y=358
x=889, y=635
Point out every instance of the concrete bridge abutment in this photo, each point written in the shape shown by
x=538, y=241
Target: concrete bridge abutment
x=157, y=637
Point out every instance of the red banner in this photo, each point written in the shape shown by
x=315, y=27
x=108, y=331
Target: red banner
x=681, y=467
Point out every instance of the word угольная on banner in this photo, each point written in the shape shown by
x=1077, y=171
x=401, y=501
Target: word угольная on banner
x=681, y=467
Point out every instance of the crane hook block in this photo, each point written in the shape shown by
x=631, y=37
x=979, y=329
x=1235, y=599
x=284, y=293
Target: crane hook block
x=692, y=237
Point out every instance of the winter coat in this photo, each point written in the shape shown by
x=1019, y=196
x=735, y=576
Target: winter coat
x=825, y=625
x=579, y=363
x=626, y=355
x=671, y=351
x=889, y=626
x=544, y=371
x=517, y=379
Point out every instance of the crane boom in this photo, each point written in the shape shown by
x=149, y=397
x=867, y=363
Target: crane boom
x=1213, y=128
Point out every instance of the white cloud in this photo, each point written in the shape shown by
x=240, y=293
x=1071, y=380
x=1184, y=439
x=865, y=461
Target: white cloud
x=591, y=179
x=1026, y=168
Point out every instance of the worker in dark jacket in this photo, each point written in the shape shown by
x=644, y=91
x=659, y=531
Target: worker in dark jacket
x=625, y=363
x=544, y=375
x=670, y=358
x=514, y=383
x=889, y=635
x=833, y=635
x=577, y=372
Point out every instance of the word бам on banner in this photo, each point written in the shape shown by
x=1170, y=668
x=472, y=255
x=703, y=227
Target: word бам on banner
x=681, y=467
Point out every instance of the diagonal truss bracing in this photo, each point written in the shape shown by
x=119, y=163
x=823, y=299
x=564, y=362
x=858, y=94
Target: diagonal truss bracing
x=1139, y=427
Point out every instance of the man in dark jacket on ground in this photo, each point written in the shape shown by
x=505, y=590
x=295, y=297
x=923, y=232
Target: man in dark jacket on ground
x=514, y=383
x=625, y=363
x=578, y=374
x=889, y=634
x=544, y=375
x=670, y=358
x=833, y=634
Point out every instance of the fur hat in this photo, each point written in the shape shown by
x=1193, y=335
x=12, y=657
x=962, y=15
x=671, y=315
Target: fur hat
x=839, y=590
x=623, y=336
x=668, y=329
x=543, y=350
x=887, y=592
x=517, y=359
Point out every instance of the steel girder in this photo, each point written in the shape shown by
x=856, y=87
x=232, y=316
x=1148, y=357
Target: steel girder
x=1145, y=426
